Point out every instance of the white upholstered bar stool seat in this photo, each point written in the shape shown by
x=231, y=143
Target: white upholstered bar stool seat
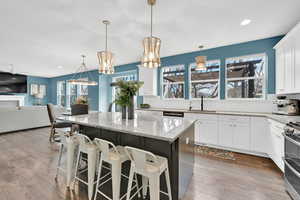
x=115, y=156
x=91, y=150
x=151, y=167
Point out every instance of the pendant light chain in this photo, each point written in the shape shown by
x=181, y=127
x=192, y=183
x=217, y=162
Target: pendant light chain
x=151, y=19
x=106, y=37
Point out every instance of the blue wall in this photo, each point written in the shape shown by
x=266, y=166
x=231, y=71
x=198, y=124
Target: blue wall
x=100, y=96
x=31, y=100
x=221, y=53
x=92, y=90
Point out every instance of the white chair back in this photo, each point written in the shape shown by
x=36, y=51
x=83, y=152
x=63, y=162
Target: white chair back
x=140, y=158
x=83, y=139
x=105, y=147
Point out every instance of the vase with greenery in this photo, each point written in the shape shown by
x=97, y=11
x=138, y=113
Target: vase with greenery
x=81, y=106
x=125, y=96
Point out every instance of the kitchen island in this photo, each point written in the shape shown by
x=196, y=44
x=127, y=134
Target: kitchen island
x=170, y=137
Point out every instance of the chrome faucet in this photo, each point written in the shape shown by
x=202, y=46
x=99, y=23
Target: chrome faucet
x=202, y=102
x=190, y=108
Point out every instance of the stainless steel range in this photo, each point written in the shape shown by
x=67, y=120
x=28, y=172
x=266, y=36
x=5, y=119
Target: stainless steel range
x=292, y=159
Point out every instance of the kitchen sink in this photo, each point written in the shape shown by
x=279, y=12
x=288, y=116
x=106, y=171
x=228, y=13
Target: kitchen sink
x=202, y=111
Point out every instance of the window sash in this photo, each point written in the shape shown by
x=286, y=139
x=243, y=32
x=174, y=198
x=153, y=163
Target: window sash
x=191, y=66
x=179, y=83
x=163, y=84
x=246, y=98
x=249, y=58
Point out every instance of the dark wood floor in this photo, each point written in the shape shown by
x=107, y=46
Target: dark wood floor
x=27, y=169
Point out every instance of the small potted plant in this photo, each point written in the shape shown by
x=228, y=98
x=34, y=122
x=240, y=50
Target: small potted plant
x=125, y=96
x=81, y=106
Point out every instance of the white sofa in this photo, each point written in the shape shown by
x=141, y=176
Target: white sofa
x=28, y=117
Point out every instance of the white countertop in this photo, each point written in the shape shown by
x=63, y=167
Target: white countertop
x=280, y=118
x=163, y=128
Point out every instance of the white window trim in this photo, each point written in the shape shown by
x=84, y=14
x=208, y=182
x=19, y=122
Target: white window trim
x=162, y=83
x=58, y=92
x=265, y=78
x=190, y=81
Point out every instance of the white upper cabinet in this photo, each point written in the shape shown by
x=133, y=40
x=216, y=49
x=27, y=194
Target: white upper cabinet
x=280, y=72
x=296, y=75
x=288, y=63
x=149, y=77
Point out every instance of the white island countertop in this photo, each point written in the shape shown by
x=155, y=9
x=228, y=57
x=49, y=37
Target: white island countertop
x=157, y=127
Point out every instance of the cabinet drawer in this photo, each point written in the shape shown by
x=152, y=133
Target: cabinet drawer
x=234, y=119
x=205, y=117
x=201, y=117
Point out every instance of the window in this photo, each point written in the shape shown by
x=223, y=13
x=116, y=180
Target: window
x=82, y=90
x=61, y=93
x=173, y=82
x=74, y=91
x=205, y=82
x=245, y=77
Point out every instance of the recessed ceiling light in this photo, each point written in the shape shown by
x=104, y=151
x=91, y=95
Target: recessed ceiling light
x=59, y=67
x=245, y=22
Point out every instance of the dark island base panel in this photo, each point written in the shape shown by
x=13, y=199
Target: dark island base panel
x=179, y=148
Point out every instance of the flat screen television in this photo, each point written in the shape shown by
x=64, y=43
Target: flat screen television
x=12, y=83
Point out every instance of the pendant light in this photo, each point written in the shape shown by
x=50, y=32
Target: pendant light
x=151, y=56
x=106, y=58
x=200, y=62
x=82, y=76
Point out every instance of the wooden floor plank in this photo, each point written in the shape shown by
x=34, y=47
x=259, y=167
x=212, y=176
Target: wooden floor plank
x=28, y=161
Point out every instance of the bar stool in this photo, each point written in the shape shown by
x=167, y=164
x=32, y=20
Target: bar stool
x=115, y=156
x=150, y=167
x=88, y=147
x=66, y=141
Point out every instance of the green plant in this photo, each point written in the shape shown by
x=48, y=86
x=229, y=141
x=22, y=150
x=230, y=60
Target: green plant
x=82, y=100
x=127, y=89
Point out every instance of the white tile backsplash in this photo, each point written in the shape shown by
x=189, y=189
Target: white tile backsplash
x=219, y=105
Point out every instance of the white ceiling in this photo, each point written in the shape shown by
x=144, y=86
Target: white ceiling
x=37, y=36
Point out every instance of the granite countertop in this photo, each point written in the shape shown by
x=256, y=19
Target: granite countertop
x=280, y=118
x=163, y=128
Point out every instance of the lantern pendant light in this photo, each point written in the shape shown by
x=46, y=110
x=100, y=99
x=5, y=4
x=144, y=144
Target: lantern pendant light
x=82, y=76
x=151, y=56
x=106, y=58
x=200, y=62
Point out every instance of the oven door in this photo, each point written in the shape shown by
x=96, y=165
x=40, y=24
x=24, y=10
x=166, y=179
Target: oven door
x=292, y=165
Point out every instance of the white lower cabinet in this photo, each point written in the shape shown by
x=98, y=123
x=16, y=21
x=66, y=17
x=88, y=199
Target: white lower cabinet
x=226, y=134
x=260, y=135
x=253, y=135
x=276, y=141
x=241, y=136
x=206, y=128
x=208, y=132
x=235, y=132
